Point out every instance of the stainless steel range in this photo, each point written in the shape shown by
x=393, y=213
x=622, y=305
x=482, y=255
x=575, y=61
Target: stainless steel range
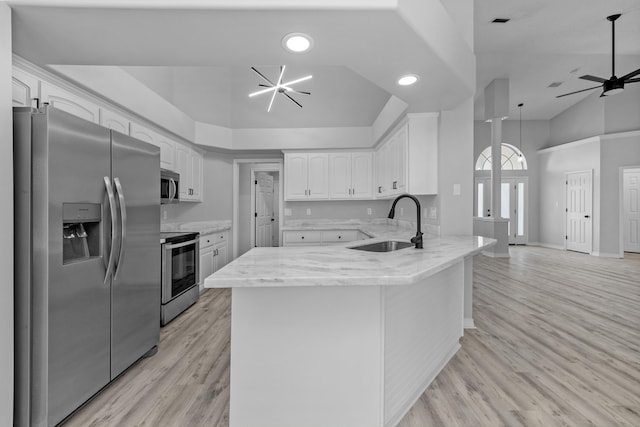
x=180, y=273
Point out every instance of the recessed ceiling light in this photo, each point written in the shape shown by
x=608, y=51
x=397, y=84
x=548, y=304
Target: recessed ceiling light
x=408, y=79
x=297, y=42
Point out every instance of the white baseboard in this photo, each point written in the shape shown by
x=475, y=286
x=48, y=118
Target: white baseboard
x=546, y=245
x=469, y=323
x=606, y=255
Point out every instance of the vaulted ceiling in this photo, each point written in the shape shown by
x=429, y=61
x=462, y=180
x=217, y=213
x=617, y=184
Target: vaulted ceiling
x=197, y=54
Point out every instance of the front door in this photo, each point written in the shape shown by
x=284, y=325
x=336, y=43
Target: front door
x=579, y=211
x=513, y=205
x=631, y=210
x=264, y=210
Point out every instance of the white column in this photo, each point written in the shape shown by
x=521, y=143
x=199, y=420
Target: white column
x=6, y=218
x=496, y=165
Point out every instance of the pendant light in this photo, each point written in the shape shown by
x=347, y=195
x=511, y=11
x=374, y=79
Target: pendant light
x=520, y=158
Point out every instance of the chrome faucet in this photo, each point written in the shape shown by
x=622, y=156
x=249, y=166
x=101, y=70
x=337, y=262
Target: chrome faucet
x=417, y=240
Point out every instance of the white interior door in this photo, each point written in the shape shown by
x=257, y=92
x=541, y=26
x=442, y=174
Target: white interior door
x=264, y=210
x=631, y=210
x=579, y=211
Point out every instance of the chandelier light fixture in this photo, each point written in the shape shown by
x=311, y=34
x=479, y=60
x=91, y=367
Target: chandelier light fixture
x=281, y=87
x=520, y=158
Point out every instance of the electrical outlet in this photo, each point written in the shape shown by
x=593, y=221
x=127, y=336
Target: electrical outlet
x=433, y=213
x=287, y=211
x=456, y=189
x=164, y=214
x=369, y=211
x=401, y=211
x=308, y=211
x=425, y=215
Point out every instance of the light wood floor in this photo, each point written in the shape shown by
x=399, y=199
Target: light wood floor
x=557, y=344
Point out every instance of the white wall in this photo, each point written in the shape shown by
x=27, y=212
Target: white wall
x=6, y=218
x=554, y=163
x=582, y=120
x=622, y=111
x=615, y=153
x=455, y=166
x=301, y=138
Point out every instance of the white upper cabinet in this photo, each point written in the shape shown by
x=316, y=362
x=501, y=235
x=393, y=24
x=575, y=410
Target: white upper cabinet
x=24, y=88
x=350, y=175
x=295, y=176
x=306, y=176
x=115, y=121
x=64, y=100
x=167, y=147
x=340, y=175
x=407, y=161
x=189, y=166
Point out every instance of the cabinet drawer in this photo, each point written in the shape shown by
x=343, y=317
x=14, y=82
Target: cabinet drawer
x=297, y=237
x=212, y=239
x=337, y=236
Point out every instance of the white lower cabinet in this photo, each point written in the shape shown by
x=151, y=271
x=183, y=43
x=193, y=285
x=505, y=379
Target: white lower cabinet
x=320, y=238
x=214, y=254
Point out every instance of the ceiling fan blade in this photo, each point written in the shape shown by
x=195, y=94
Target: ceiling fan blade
x=630, y=75
x=297, y=91
x=578, y=91
x=287, y=95
x=261, y=85
x=633, y=80
x=593, y=78
x=262, y=75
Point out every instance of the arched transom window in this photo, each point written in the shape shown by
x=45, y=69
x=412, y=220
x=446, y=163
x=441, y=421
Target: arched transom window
x=512, y=159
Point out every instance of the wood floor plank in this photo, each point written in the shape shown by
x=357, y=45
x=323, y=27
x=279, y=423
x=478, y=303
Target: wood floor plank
x=557, y=344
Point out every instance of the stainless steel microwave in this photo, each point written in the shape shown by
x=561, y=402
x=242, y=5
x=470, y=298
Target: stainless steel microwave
x=169, y=186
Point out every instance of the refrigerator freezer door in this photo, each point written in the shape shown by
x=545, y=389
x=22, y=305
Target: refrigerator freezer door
x=71, y=303
x=136, y=283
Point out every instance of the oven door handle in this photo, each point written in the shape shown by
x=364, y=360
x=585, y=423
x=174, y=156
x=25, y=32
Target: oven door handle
x=112, y=208
x=179, y=245
x=123, y=225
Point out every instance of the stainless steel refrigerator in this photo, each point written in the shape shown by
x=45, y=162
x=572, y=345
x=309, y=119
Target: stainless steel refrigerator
x=87, y=287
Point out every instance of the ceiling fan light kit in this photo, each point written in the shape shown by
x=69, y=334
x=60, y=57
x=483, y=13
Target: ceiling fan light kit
x=281, y=87
x=613, y=85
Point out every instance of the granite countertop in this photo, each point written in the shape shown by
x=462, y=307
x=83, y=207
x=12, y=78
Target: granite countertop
x=202, y=227
x=338, y=265
x=381, y=227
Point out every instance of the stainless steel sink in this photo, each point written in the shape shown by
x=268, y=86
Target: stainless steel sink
x=385, y=246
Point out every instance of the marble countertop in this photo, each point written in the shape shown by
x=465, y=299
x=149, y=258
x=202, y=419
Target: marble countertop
x=202, y=227
x=338, y=265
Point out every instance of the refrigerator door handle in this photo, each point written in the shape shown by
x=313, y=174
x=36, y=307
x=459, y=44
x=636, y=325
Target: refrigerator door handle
x=123, y=225
x=112, y=208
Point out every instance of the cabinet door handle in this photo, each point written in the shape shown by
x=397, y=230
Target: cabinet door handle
x=339, y=237
x=302, y=237
x=395, y=185
x=379, y=189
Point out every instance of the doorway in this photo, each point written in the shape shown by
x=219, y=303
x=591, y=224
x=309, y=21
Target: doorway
x=244, y=207
x=630, y=210
x=264, y=196
x=579, y=211
x=514, y=205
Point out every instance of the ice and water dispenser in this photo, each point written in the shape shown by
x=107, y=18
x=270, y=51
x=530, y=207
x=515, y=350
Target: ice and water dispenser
x=80, y=231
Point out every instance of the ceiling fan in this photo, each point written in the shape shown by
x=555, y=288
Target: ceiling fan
x=280, y=87
x=614, y=84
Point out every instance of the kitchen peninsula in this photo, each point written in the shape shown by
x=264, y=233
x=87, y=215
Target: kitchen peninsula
x=333, y=336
